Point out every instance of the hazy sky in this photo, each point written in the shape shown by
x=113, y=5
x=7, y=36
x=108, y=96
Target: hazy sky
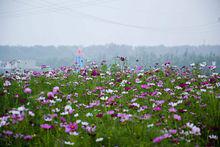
x=85, y=22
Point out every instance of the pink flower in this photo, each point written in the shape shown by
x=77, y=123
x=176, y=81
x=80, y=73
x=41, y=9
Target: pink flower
x=56, y=90
x=172, y=109
x=111, y=112
x=177, y=117
x=157, y=108
x=160, y=138
x=50, y=95
x=27, y=90
x=71, y=127
x=46, y=126
x=157, y=139
x=172, y=131
x=144, y=86
x=28, y=137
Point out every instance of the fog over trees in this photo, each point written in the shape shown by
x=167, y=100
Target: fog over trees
x=56, y=56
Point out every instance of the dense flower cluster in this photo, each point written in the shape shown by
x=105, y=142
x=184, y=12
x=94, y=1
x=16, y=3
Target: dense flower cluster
x=111, y=106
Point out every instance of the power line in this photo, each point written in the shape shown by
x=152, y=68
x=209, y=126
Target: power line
x=57, y=8
x=36, y=8
x=130, y=25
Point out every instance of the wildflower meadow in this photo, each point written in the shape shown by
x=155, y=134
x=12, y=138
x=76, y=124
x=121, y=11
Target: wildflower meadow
x=111, y=105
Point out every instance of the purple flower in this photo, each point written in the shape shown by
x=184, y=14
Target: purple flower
x=160, y=138
x=99, y=115
x=71, y=127
x=46, y=126
x=8, y=133
x=172, y=109
x=111, y=112
x=28, y=137
x=144, y=86
x=50, y=95
x=95, y=73
x=177, y=117
x=157, y=108
x=27, y=90
x=172, y=131
x=56, y=90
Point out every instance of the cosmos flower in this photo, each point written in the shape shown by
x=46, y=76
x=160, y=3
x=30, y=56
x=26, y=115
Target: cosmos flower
x=69, y=143
x=110, y=112
x=157, y=108
x=172, y=131
x=144, y=86
x=27, y=90
x=177, y=117
x=8, y=133
x=50, y=95
x=172, y=109
x=46, y=126
x=160, y=138
x=215, y=137
x=56, y=90
x=71, y=127
x=7, y=83
x=27, y=137
x=99, y=139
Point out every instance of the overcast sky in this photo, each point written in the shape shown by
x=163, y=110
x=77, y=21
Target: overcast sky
x=86, y=22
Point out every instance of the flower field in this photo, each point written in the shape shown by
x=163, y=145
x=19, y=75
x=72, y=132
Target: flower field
x=111, y=106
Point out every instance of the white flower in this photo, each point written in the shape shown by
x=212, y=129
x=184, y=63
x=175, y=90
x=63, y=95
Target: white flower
x=56, y=110
x=179, y=101
x=74, y=133
x=78, y=121
x=59, y=100
x=178, y=87
x=76, y=115
x=31, y=113
x=99, y=139
x=150, y=125
x=104, y=98
x=7, y=83
x=69, y=143
x=68, y=108
x=111, y=83
x=173, y=104
x=47, y=118
x=89, y=114
x=64, y=113
x=52, y=102
x=109, y=91
x=190, y=125
x=15, y=112
x=203, y=90
x=85, y=123
x=213, y=137
x=41, y=98
x=22, y=108
x=124, y=92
